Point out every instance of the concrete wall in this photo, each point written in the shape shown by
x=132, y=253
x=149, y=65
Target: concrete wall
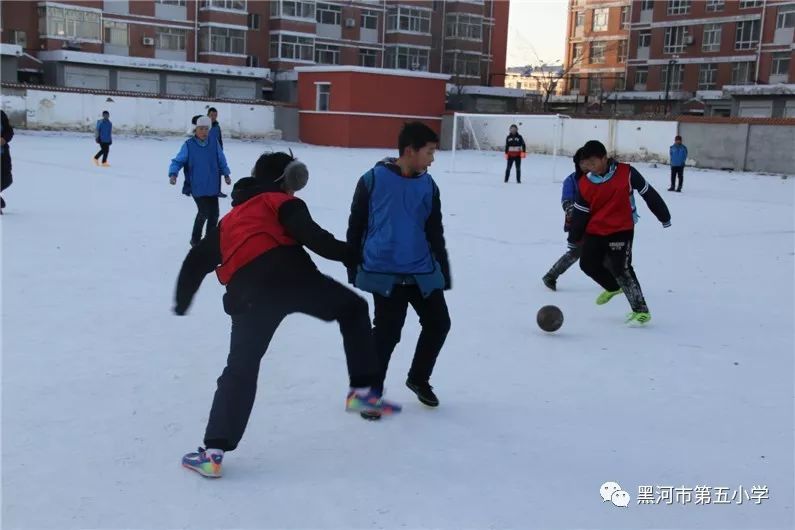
x=715, y=145
x=286, y=120
x=77, y=111
x=8, y=68
x=771, y=148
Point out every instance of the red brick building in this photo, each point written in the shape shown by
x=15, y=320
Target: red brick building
x=353, y=106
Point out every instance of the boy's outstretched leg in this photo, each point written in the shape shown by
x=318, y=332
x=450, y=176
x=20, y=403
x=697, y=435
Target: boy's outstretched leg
x=562, y=265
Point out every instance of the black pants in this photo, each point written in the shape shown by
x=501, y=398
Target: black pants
x=104, y=150
x=390, y=315
x=680, y=172
x=207, y=213
x=608, y=260
x=512, y=161
x=564, y=262
x=318, y=296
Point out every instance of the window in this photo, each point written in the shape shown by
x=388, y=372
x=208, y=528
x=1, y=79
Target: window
x=676, y=72
x=180, y=3
x=715, y=5
x=647, y=5
x=620, y=83
x=323, y=96
x=786, y=17
x=742, y=73
x=463, y=26
x=115, y=33
x=327, y=54
x=369, y=20
x=594, y=84
x=675, y=39
x=170, y=39
x=574, y=83
x=253, y=21
x=711, y=42
x=367, y=57
x=328, y=14
x=292, y=47
x=59, y=22
x=598, y=52
x=222, y=40
x=19, y=37
x=409, y=19
x=746, y=4
x=462, y=64
x=678, y=7
x=781, y=63
x=747, y=35
x=644, y=39
x=641, y=76
x=622, y=51
x=407, y=58
x=625, y=17
x=576, y=53
x=293, y=9
x=707, y=77
x=252, y=61
x=600, y=17
x=236, y=5
x=579, y=19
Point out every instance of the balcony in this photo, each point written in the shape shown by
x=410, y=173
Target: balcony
x=784, y=36
x=643, y=53
x=646, y=15
x=329, y=31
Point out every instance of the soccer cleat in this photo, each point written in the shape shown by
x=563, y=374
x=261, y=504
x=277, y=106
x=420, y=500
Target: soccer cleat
x=550, y=282
x=606, y=296
x=424, y=393
x=96, y=161
x=370, y=406
x=105, y=164
x=204, y=464
x=638, y=318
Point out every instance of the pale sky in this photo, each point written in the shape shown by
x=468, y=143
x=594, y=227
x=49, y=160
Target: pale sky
x=539, y=25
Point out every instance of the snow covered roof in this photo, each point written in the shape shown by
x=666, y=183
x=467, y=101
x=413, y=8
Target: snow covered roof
x=496, y=91
x=368, y=70
x=760, y=90
x=10, y=49
x=705, y=95
x=147, y=63
x=649, y=95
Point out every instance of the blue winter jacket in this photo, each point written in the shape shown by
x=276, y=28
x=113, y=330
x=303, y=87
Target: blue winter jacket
x=203, y=163
x=103, y=131
x=569, y=189
x=678, y=154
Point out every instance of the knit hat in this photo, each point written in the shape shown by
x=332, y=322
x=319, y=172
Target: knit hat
x=204, y=121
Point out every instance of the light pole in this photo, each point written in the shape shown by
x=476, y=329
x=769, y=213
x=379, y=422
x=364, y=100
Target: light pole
x=671, y=63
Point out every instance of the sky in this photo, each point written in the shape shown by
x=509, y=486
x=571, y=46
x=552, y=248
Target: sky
x=536, y=30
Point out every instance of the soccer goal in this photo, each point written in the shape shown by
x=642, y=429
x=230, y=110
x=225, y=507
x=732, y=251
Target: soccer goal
x=542, y=133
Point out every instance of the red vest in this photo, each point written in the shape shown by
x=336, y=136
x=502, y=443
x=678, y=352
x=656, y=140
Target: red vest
x=611, y=208
x=250, y=230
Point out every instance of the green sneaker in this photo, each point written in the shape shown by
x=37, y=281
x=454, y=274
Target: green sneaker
x=638, y=318
x=606, y=296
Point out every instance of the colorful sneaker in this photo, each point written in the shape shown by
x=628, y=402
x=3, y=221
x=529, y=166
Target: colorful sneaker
x=205, y=465
x=96, y=162
x=638, y=318
x=105, y=164
x=370, y=405
x=606, y=296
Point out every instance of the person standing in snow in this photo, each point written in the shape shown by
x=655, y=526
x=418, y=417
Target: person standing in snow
x=103, y=135
x=215, y=135
x=202, y=161
x=396, y=221
x=258, y=254
x=567, y=202
x=6, y=134
x=515, y=151
x=678, y=153
x=604, y=220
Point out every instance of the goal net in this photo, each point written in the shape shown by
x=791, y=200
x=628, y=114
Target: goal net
x=486, y=133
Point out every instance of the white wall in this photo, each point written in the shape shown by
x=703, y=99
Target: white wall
x=72, y=111
x=628, y=139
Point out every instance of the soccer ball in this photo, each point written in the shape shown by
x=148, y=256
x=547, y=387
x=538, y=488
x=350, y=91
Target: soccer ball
x=549, y=318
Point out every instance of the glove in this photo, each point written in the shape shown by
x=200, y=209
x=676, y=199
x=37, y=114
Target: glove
x=523, y=155
x=667, y=224
x=172, y=179
x=227, y=179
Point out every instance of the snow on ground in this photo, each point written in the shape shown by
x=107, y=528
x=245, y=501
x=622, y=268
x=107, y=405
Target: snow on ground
x=104, y=389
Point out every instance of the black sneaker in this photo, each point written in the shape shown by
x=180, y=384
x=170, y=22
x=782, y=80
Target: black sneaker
x=424, y=393
x=550, y=282
x=222, y=194
x=671, y=188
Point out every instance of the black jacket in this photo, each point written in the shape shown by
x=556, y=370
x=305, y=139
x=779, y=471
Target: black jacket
x=5, y=156
x=515, y=140
x=434, y=230
x=276, y=269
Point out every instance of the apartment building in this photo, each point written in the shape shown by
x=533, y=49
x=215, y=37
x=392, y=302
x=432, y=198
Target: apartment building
x=712, y=56
x=85, y=43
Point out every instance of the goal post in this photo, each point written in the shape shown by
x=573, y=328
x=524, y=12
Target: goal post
x=544, y=134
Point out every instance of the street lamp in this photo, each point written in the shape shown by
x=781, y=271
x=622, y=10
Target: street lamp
x=671, y=63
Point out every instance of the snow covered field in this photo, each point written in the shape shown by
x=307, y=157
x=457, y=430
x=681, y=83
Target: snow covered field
x=104, y=389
